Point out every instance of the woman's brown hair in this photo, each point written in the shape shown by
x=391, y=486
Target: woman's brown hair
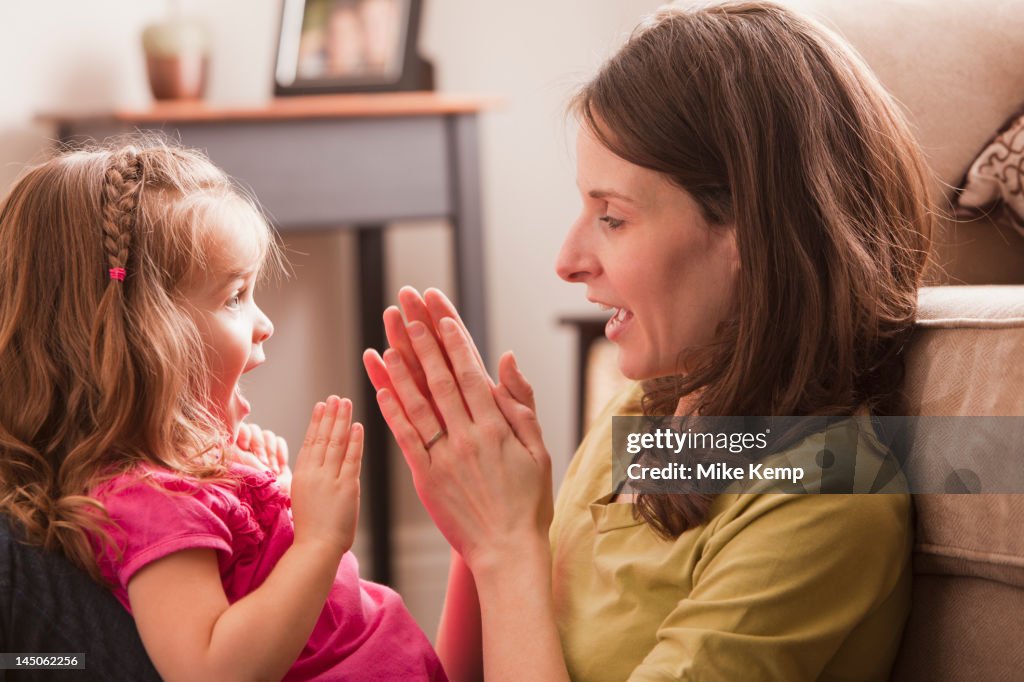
x=100, y=374
x=773, y=124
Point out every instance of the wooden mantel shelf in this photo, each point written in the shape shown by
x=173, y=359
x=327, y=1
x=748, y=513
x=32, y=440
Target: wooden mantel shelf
x=279, y=108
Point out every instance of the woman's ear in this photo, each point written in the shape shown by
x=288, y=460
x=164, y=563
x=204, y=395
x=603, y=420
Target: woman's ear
x=733, y=247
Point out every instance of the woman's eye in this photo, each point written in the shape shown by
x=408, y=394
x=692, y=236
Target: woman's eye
x=613, y=223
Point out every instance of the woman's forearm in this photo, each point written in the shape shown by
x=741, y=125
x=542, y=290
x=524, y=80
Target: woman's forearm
x=520, y=638
x=459, y=642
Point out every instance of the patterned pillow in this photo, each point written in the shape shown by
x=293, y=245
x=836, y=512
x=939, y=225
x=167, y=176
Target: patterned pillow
x=994, y=185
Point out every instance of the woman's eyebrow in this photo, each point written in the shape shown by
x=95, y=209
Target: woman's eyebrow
x=610, y=194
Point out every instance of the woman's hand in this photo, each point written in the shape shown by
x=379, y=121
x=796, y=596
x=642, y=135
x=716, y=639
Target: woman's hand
x=262, y=449
x=487, y=481
x=428, y=309
x=325, y=484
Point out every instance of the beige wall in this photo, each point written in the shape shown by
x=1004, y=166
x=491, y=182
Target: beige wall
x=77, y=56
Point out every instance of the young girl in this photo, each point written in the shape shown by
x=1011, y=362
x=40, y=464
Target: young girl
x=127, y=318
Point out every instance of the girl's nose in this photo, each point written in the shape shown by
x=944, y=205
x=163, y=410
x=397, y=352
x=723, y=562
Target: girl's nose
x=576, y=260
x=263, y=328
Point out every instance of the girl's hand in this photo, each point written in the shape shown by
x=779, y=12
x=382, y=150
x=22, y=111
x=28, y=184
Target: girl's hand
x=325, y=484
x=262, y=449
x=487, y=481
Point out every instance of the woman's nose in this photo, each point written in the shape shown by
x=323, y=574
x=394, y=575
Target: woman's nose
x=576, y=261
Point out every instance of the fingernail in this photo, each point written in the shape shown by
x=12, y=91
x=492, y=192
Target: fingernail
x=448, y=326
x=383, y=396
x=417, y=330
x=392, y=357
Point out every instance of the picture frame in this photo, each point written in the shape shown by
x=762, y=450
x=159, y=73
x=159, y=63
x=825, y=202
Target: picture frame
x=339, y=46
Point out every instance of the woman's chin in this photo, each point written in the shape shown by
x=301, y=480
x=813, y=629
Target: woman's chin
x=631, y=368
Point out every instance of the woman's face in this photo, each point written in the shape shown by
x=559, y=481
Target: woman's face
x=642, y=247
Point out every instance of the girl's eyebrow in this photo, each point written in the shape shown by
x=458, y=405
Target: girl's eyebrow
x=235, y=275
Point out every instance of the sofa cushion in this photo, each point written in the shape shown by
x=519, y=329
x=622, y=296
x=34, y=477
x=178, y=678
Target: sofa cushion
x=967, y=356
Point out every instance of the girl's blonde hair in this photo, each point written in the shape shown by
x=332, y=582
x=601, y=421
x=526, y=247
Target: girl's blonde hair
x=98, y=374
x=773, y=124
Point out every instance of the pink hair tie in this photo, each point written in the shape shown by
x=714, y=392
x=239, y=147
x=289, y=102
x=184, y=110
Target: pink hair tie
x=117, y=273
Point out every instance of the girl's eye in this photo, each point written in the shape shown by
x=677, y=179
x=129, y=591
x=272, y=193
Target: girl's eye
x=613, y=223
x=235, y=300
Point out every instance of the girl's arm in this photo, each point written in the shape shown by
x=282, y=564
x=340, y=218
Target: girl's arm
x=487, y=484
x=186, y=623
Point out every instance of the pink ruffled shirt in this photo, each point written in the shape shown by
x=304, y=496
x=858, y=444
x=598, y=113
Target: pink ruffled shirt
x=364, y=631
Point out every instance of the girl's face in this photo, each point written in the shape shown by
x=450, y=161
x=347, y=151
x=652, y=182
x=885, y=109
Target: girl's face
x=231, y=325
x=643, y=249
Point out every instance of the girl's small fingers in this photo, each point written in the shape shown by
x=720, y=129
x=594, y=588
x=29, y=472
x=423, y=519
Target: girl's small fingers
x=242, y=439
x=249, y=459
x=282, y=454
x=405, y=434
x=323, y=432
x=257, y=444
x=308, y=454
x=353, y=453
x=337, y=440
x=270, y=448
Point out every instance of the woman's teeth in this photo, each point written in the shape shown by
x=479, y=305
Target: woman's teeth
x=621, y=317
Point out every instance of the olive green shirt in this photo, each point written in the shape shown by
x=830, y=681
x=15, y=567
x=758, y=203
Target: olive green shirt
x=772, y=587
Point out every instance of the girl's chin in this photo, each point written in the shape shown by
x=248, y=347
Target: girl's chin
x=238, y=398
x=234, y=413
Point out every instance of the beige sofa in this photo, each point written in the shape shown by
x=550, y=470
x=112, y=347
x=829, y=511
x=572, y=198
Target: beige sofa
x=957, y=68
x=967, y=619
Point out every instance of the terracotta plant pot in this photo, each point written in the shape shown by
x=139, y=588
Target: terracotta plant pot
x=177, y=59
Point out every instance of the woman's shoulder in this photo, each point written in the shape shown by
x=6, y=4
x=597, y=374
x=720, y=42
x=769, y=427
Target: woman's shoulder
x=842, y=527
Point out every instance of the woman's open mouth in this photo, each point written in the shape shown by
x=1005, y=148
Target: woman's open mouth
x=616, y=326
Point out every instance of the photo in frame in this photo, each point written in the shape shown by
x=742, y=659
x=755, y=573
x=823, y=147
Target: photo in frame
x=338, y=46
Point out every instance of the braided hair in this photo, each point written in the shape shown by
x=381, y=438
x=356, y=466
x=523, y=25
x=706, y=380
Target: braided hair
x=122, y=184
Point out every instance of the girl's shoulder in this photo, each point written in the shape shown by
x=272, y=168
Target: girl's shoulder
x=145, y=484
x=152, y=511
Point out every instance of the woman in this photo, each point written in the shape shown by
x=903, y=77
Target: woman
x=756, y=213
